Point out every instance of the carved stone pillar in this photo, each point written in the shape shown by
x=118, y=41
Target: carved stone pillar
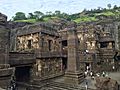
x=73, y=75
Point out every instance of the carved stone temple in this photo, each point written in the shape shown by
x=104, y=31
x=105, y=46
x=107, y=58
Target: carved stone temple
x=52, y=55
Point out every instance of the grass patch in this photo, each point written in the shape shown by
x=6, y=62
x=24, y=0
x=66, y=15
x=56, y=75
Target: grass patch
x=49, y=18
x=85, y=19
x=28, y=20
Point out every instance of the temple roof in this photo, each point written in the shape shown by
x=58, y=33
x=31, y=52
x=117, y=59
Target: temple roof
x=38, y=27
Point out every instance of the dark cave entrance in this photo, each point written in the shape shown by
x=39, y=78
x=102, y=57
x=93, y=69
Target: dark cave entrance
x=22, y=74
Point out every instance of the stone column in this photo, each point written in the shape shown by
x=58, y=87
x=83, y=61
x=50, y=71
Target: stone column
x=73, y=75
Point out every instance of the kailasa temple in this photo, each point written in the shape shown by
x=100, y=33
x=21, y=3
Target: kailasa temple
x=55, y=55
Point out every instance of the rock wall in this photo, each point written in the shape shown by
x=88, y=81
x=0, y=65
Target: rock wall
x=4, y=40
x=5, y=70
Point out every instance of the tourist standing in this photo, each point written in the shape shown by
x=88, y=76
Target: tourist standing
x=86, y=85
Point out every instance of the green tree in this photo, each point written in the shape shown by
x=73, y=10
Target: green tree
x=109, y=6
x=49, y=13
x=31, y=16
x=57, y=12
x=19, y=16
x=38, y=14
x=65, y=15
x=115, y=7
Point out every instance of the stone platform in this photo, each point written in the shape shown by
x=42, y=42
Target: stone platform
x=59, y=84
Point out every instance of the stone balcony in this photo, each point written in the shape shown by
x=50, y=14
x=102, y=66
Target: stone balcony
x=48, y=54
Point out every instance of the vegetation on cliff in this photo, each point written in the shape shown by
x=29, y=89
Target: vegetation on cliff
x=85, y=15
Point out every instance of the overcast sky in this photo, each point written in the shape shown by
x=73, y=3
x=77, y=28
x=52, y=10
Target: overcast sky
x=10, y=7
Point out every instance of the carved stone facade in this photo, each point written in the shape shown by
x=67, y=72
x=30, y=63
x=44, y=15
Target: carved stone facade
x=98, y=42
x=47, y=68
x=49, y=50
x=26, y=42
x=44, y=42
x=96, y=47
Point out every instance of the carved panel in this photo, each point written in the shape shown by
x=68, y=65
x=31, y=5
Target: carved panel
x=27, y=42
x=48, y=67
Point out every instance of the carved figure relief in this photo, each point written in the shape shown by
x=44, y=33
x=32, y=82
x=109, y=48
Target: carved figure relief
x=48, y=67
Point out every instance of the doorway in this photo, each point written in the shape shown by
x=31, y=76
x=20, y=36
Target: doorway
x=64, y=63
x=22, y=74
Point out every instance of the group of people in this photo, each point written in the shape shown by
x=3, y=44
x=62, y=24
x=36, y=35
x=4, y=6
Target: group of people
x=90, y=73
x=103, y=74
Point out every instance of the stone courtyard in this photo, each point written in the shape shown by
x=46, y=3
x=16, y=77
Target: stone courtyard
x=58, y=83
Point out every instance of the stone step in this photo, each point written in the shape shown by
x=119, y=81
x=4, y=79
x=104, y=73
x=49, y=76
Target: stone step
x=52, y=86
x=63, y=86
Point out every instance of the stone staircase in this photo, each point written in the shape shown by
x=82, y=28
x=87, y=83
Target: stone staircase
x=62, y=86
x=52, y=85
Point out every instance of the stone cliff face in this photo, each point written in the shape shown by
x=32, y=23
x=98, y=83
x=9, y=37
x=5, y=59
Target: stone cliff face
x=4, y=40
x=5, y=70
x=13, y=25
x=3, y=20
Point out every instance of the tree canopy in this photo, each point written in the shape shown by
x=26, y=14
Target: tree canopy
x=85, y=15
x=19, y=16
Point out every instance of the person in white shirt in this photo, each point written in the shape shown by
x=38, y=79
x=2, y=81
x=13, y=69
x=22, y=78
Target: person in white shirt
x=86, y=85
x=91, y=74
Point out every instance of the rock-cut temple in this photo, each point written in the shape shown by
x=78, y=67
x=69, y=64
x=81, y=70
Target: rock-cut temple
x=39, y=54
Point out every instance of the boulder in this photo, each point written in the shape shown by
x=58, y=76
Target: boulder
x=106, y=83
x=3, y=19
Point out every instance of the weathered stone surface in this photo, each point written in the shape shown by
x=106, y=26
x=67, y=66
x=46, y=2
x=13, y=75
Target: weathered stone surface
x=4, y=39
x=73, y=74
x=93, y=44
x=3, y=19
x=5, y=70
x=13, y=25
x=5, y=77
x=106, y=83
